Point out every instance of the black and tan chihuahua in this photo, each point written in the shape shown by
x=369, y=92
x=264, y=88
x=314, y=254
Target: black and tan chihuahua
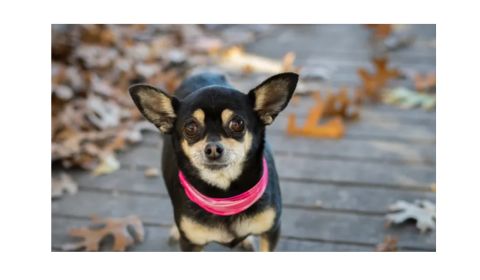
x=219, y=172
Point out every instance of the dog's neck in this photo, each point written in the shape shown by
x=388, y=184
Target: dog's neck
x=250, y=174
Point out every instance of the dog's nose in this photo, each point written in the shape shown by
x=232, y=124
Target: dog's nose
x=213, y=150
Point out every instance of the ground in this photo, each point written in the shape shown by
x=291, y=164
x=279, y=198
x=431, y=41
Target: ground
x=335, y=192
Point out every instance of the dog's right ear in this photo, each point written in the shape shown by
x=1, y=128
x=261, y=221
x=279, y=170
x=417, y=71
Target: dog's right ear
x=155, y=105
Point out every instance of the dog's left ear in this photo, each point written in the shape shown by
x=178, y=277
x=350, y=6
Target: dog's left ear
x=272, y=95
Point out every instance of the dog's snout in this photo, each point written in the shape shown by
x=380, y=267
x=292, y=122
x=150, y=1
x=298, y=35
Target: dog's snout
x=213, y=150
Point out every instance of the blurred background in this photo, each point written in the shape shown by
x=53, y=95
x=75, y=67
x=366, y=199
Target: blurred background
x=355, y=149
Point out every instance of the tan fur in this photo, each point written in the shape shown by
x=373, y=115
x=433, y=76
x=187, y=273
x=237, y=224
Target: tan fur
x=201, y=235
x=226, y=115
x=257, y=224
x=234, y=150
x=200, y=116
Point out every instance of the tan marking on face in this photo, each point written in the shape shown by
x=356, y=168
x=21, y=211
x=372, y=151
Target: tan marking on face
x=200, y=116
x=240, y=148
x=200, y=234
x=226, y=115
x=257, y=224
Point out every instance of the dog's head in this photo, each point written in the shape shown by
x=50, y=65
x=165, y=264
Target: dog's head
x=217, y=128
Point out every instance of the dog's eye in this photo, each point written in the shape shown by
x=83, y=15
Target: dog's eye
x=236, y=125
x=190, y=129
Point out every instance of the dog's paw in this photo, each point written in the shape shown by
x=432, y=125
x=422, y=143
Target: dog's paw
x=174, y=235
x=248, y=244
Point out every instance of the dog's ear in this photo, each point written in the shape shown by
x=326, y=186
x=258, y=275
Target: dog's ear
x=272, y=96
x=155, y=105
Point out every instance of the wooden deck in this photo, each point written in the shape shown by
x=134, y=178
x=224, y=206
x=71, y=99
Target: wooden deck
x=335, y=192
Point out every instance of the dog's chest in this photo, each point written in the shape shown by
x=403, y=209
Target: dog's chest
x=201, y=234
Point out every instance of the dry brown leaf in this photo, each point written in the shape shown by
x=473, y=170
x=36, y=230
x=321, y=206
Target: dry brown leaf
x=340, y=104
x=381, y=31
x=389, y=244
x=425, y=82
x=373, y=83
x=63, y=184
x=98, y=33
x=332, y=128
x=117, y=227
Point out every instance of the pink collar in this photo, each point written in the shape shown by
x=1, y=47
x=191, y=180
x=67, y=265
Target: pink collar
x=230, y=205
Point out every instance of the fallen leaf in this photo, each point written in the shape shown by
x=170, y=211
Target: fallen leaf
x=151, y=172
x=425, y=82
x=398, y=41
x=340, y=104
x=236, y=59
x=407, y=99
x=373, y=83
x=288, y=60
x=332, y=128
x=389, y=244
x=94, y=56
x=116, y=227
x=147, y=70
x=381, y=31
x=108, y=164
x=422, y=211
x=63, y=92
x=101, y=86
x=134, y=135
x=103, y=114
x=63, y=184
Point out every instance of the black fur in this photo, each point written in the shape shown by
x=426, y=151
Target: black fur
x=213, y=94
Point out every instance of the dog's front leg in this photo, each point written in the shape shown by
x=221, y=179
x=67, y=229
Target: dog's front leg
x=269, y=239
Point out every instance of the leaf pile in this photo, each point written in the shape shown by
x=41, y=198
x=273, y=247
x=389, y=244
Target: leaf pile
x=93, y=116
x=101, y=228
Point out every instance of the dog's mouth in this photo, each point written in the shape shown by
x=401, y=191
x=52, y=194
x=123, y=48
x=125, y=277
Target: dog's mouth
x=215, y=166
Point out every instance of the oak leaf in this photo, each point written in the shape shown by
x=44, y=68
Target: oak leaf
x=422, y=211
x=101, y=228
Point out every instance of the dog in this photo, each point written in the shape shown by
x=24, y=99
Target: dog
x=218, y=169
